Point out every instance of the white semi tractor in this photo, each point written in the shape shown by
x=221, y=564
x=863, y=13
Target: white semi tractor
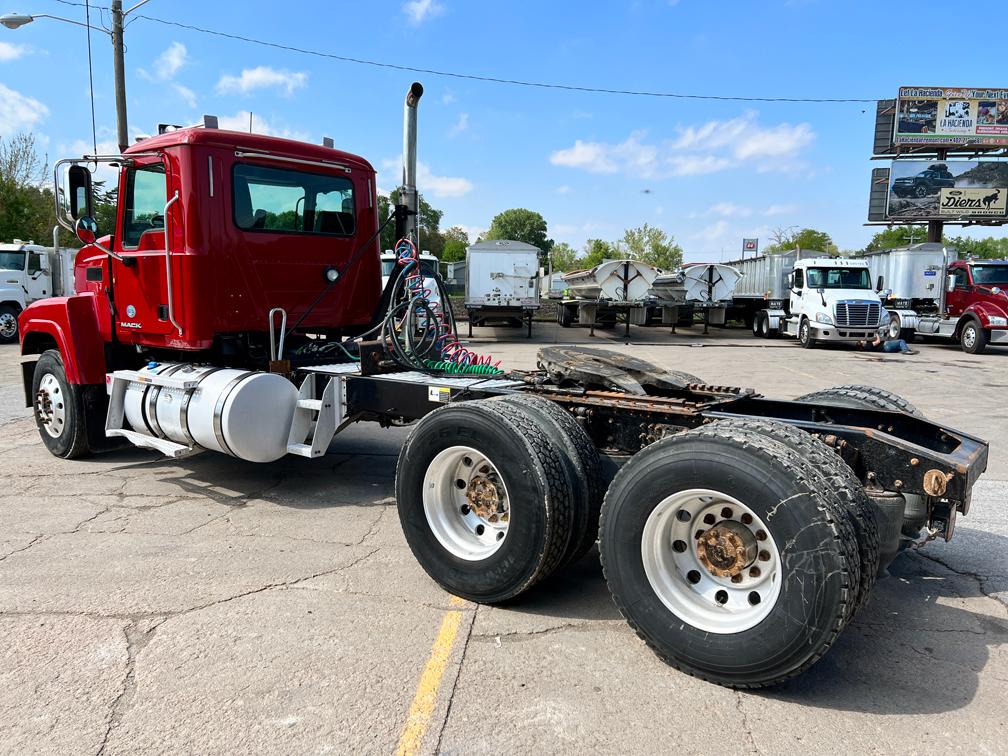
x=29, y=272
x=828, y=299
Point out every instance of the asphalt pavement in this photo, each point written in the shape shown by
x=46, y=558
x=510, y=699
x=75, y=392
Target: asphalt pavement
x=211, y=604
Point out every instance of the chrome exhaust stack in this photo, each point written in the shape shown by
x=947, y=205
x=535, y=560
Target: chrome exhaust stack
x=406, y=223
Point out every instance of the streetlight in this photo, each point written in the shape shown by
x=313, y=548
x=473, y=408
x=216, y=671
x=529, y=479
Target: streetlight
x=17, y=20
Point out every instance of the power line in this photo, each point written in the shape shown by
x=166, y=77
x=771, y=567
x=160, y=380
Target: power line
x=90, y=73
x=490, y=79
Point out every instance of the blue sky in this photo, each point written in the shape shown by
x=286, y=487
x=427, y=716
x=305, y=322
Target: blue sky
x=707, y=172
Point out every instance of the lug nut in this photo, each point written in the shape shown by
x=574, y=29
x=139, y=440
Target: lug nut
x=754, y=572
x=764, y=556
x=746, y=519
x=761, y=535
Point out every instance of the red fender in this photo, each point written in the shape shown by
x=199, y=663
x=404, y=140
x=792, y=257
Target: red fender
x=72, y=322
x=984, y=311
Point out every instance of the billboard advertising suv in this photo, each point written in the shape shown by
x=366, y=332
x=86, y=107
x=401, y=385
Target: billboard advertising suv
x=942, y=116
x=947, y=190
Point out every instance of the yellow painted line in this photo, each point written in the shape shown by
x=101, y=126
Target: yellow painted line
x=425, y=697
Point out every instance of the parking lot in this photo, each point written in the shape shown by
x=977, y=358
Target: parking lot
x=211, y=604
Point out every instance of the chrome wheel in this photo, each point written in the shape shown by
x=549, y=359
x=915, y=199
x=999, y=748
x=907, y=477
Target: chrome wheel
x=969, y=336
x=8, y=325
x=711, y=561
x=466, y=503
x=894, y=327
x=49, y=404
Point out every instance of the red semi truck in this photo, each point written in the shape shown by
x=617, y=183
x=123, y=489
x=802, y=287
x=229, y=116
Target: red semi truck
x=739, y=534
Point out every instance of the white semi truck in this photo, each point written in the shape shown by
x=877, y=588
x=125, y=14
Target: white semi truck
x=830, y=299
x=29, y=272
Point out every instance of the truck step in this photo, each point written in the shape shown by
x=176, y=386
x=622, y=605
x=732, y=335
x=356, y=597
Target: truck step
x=304, y=450
x=310, y=404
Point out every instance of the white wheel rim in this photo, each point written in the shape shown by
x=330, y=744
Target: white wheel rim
x=804, y=331
x=686, y=585
x=894, y=328
x=8, y=325
x=466, y=503
x=969, y=336
x=50, y=404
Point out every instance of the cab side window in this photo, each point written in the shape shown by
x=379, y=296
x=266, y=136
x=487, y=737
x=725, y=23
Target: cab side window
x=961, y=279
x=799, y=279
x=146, y=193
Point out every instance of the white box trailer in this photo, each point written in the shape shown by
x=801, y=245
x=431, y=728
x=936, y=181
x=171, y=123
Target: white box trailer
x=29, y=272
x=502, y=282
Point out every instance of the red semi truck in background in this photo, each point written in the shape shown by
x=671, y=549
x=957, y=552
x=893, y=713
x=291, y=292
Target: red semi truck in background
x=719, y=514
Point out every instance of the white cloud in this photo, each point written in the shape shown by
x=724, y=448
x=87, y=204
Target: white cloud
x=780, y=210
x=447, y=98
x=729, y=210
x=187, y=95
x=12, y=52
x=706, y=148
x=103, y=171
x=418, y=11
x=167, y=64
x=262, y=77
x=18, y=111
x=712, y=233
x=461, y=125
x=563, y=189
x=430, y=183
x=240, y=122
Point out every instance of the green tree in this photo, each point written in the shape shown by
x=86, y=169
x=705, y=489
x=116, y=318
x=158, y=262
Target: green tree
x=562, y=256
x=898, y=236
x=429, y=221
x=457, y=233
x=595, y=251
x=454, y=251
x=786, y=239
x=653, y=246
x=519, y=224
x=987, y=249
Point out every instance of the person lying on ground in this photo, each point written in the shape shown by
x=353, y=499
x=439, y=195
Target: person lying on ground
x=889, y=345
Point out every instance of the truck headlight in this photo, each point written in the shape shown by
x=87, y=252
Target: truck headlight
x=822, y=317
x=997, y=321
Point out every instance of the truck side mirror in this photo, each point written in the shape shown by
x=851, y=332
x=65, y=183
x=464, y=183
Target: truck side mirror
x=949, y=283
x=81, y=202
x=86, y=229
x=879, y=284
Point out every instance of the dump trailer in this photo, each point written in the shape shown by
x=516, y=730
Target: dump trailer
x=707, y=287
x=739, y=534
x=763, y=285
x=598, y=296
x=502, y=283
x=929, y=291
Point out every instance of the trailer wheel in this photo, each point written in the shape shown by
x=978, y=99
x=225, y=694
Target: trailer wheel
x=583, y=460
x=59, y=408
x=761, y=325
x=484, y=500
x=8, y=324
x=837, y=479
x=973, y=337
x=864, y=397
x=805, y=334
x=726, y=556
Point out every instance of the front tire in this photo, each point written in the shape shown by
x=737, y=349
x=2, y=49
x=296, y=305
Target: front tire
x=59, y=408
x=750, y=493
x=8, y=324
x=805, y=334
x=973, y=338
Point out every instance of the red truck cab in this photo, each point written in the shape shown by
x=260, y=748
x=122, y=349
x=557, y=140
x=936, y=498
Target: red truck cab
x=977, y=300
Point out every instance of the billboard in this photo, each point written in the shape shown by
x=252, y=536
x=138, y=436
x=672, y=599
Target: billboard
x=948, y=190
x=953, y=117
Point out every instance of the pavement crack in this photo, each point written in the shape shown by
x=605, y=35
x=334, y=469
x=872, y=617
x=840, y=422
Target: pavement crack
x=137, y=638
x=522, y=635
x=980, y=579
x=37, y=539
x=745, y=721
x=458, y=674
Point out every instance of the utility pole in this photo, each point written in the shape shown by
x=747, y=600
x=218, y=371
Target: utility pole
x=119, y=65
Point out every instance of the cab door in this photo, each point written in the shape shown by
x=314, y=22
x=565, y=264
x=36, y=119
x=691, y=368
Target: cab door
x=139, y=280
x=797, y=290
x=957, y=299
x=38, y=277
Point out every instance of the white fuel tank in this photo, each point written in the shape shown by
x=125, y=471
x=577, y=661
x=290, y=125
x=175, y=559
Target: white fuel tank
x=246, y=414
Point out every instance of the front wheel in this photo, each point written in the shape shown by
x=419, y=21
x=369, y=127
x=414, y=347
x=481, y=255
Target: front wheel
x=973, y=338
x=805, y=334
x=59, y=408
x=726, y=557
x=8, y=324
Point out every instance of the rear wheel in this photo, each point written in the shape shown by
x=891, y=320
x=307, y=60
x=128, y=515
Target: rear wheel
x=484, y=500
x=59, y=408
x=973, y=338
x=865, y=397
x=8, y=324
x=726, y=557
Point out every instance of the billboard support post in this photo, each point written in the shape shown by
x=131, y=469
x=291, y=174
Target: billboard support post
x=937, y=227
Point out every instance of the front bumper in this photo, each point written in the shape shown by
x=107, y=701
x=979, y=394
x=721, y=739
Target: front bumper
x=823, y=332
x=998, y=336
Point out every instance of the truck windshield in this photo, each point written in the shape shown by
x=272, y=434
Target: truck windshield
x=12, y=260
x=838, y=278
x=990, y=274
